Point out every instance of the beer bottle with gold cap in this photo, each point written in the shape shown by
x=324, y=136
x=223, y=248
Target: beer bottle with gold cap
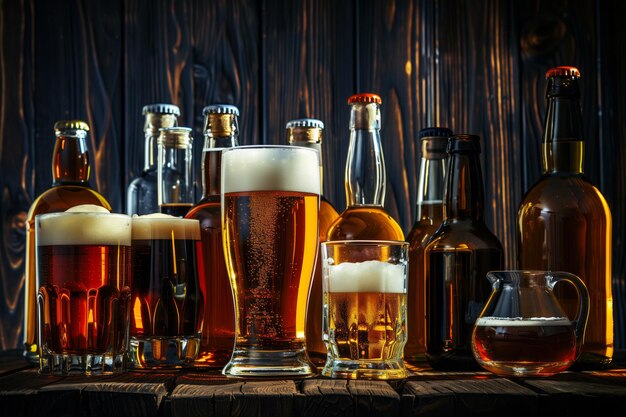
x=218, y=331
x=430, y=189
x=365, y=217
x=564, y=222
x=70, y=187
x=142, y=191
x=175, y=188
x=308, y=133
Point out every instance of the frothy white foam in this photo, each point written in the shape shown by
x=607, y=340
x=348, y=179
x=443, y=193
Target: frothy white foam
x=519, y=322
x=368, y=276
x=270, y=169
x=163, y=226
x=83, y=228
x=87, y=208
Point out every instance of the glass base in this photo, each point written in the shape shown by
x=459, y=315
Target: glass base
x=525, y=369
x=64, y=364
x=163, y=352
x=269, y=363
x=364, y=369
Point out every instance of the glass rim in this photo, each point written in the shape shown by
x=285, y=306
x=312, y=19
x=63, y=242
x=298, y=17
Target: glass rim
x=270, y=146
x=370, y=242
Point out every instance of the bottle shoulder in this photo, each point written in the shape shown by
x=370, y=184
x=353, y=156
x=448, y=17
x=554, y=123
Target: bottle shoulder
x=62, y=197
x=365, y=222
x=464, y=235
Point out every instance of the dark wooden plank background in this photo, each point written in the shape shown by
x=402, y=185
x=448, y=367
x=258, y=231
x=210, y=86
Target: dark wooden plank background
x=476, y=67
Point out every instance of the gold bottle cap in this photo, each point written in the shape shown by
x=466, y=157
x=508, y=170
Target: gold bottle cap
x=220, y=120
x=175, y=137
x=305, y=130
x=64, y=125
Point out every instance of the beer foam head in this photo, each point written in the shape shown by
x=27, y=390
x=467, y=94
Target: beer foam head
x=368, y=276
x=77, y=227
x=87, y=208
x=272, y=168
x=163, y=226
x=519, y=321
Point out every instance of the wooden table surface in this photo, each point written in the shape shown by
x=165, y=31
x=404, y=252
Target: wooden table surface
x=191, y=393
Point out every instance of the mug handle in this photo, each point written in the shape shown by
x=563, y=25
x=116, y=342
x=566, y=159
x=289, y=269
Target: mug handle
x=583, y=303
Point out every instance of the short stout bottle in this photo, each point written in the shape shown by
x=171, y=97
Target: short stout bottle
x=175, y=188
x=70, y=187
x=308, y=133
x=457, y=260
x=430, y=189
x=564, y=222
x=218, y=331
x=142, y=191
x=365, y=218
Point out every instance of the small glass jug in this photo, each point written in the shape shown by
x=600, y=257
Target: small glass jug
x=522, y=331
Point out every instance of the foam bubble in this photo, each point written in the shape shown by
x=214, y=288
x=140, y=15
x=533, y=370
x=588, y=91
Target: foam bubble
x=83, y=228
x=286, y=168
x=519, y=322
x=87, y=208
x=163, y=226
x=368, y=276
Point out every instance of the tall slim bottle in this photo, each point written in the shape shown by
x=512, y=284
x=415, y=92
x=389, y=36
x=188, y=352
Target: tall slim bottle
x=457, y=260
x=430, y=190
x=308, y=133
x=365, y=218
x=142, y=191
x=218, y=331
x=564, y=222
x=70, y=187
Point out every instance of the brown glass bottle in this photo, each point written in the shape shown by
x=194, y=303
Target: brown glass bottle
x=218, y=330
x=564, y=222
x=457, y=258
x=430, y=189
x=70, y=187
x=308, y=133
x=365, y=218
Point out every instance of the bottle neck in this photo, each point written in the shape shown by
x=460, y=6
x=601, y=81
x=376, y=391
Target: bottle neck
x=431, y=186
x=70, y=161
x=151, y=149
x=464, y=193
x=318, y=147
x=212, y=163
x=563, y=144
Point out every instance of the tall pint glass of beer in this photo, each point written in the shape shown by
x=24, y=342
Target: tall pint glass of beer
x=364, y=323
x=167, y=305
x=83, y=276
x=270, y=205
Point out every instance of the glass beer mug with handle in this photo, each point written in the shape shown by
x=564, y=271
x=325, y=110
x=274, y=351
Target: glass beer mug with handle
x=523, y=331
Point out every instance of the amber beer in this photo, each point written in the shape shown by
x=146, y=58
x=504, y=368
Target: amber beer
x=270, y=200
x=83, y=272
x=167, y=303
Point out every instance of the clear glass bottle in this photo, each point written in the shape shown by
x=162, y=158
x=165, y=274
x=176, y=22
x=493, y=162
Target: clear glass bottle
x=142, y=191
x=430, y=190
x=365, y=218
x=175, y=188
x=70, y=187
x=308, y=133
x=458, y=257
x=221, y=130
x=564, y=222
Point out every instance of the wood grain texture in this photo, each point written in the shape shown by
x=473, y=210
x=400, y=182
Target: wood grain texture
x=308, y=69
x=16, y=160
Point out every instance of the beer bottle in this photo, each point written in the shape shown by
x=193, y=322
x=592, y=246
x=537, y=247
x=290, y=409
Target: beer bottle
x=457, y=260
x=365, y=218
x=308, y=133
x=564, y=222
x=175, y=188
x=430, y=189
x=218, y=331
x=70, y=187
x=142, y=191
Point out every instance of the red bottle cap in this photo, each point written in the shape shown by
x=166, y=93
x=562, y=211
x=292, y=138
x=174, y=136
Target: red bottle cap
x=365, y=98
x=563, y=72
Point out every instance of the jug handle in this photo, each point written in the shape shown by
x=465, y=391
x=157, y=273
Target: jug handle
x=583, y=304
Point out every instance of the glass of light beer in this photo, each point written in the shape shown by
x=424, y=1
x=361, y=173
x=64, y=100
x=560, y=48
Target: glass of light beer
x=167, y=305
x=364, y=318
x=83, y=276
x=270, y=205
